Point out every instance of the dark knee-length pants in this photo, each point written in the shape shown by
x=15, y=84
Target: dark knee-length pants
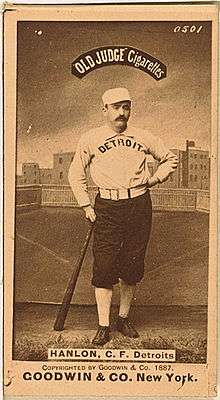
x=121, y=234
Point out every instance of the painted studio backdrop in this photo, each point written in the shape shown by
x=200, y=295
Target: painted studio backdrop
x=55, y=106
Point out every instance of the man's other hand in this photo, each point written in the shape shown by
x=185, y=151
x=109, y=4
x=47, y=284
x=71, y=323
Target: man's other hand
x=174, y=163
x=90, y=213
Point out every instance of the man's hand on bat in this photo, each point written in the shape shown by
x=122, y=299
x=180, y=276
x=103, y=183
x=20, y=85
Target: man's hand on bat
x=90, y=213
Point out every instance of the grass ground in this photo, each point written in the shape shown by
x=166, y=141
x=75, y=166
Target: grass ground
x=174, y=327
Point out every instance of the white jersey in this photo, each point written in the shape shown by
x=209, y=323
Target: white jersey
x=117, y=160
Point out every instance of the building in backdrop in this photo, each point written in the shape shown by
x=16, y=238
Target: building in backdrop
x=46, y=176
x=61, y=164
x=193, y=170
x=196, y=167
x=31, y=173
x=57, y=175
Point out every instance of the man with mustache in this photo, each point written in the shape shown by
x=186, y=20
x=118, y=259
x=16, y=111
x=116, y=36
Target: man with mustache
x=116, y=156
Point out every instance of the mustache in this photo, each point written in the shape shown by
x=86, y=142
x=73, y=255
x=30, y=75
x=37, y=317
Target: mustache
x=121, y=119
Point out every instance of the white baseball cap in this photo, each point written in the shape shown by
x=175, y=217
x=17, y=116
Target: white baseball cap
x=115, y=95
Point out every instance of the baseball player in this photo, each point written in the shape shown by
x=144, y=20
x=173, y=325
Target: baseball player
x=116, y=156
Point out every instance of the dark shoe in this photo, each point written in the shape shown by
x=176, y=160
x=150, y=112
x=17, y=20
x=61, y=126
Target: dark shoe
x=102, y=336
x=124, y=326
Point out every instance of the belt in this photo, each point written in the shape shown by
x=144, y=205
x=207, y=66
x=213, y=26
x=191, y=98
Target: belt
x=122, y=194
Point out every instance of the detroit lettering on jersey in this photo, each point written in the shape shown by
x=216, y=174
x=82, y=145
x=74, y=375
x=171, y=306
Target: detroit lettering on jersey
x=128, y=142
x=116, y=161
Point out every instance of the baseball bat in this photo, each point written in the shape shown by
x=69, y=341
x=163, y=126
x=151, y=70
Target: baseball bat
x=64, y=308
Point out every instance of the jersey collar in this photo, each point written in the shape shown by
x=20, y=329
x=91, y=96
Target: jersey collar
x=115, y=134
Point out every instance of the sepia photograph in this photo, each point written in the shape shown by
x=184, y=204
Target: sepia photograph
x=114, y=167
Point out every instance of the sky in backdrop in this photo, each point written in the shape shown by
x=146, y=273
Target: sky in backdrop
x=54, y=107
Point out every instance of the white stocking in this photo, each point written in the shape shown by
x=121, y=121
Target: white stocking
x=126, y=296
x=103, y=299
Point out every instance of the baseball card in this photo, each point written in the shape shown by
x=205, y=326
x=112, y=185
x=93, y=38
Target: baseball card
x=110, y=200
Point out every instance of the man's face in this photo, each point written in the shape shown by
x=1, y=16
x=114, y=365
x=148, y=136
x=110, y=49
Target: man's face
x=118, y=114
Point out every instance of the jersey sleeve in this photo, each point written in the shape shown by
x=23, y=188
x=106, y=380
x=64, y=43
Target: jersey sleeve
x=166, y=158
x=77, y=172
